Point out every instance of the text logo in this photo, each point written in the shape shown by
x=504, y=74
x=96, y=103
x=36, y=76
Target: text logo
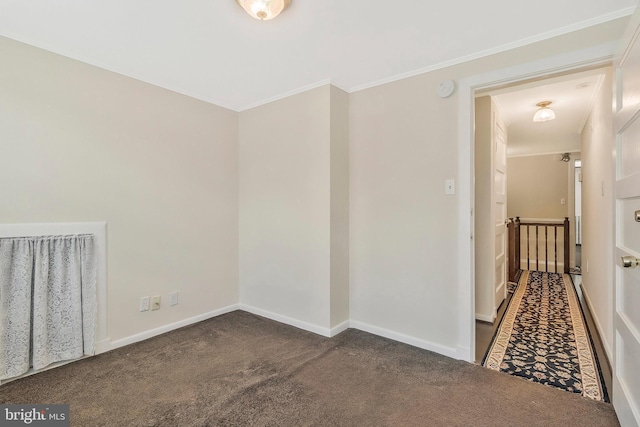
x=34, y=415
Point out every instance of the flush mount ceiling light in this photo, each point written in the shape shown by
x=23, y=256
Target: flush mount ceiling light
x=544, y=113
x=264, y=9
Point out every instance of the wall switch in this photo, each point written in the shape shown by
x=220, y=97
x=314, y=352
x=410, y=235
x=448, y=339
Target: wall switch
x=144, y=304
x=450, y=186
x=155, y=303
x=563, y=201
x=173, y=298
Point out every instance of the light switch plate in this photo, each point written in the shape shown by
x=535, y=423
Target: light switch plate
x=450, y=186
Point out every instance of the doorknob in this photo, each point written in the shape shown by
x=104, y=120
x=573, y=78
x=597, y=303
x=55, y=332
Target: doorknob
x=630, y=261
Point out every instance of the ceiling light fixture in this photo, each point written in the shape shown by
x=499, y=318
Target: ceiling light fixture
x=264, y=9
x=544, y=113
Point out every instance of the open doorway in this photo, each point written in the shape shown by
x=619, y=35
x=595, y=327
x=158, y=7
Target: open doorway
x=542, y=180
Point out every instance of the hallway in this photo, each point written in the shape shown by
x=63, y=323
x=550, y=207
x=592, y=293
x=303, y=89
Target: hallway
x=485, y=332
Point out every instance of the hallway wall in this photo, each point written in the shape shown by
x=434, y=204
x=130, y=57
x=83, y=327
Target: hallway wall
x=597, y=213
x=536, y=186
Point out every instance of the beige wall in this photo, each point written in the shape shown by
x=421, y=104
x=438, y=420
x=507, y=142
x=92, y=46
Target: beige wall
x=403, y=226
x=339, y=206
x=536, y=186
x=597, y=213
x=404, y=229
x=294, y=209
x=284, y=207
x=162, y=170
x=83, y=144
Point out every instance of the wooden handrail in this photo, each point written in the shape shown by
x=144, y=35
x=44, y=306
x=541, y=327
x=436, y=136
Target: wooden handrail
x=514, y=242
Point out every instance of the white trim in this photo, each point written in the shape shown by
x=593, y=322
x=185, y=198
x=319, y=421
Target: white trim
x=596, y=321
x=406, y=339
x=338, y=329
x=325, y=82
x=486, y=317
x=590, y=57
x=284, y=95
x=543, y=153
x=592, y=103
x=300, y=324
x=484, y=53
x=626, y=410
x=502, y=48
x=46, y=368
x=466, y=242
x=627, y=187
x=102, y=346
x=170, y=327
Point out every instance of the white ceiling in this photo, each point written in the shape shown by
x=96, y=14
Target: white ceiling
x=572, y=99
x=212, y=50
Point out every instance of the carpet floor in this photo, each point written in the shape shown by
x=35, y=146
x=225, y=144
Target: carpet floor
x=243, y=370
x=543, y=337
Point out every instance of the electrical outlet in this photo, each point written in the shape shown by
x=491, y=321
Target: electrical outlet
x=173, y=298
x=144, y=304
x=155, y=303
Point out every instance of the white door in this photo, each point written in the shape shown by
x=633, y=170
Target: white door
x=626, y=363
x=500, y=206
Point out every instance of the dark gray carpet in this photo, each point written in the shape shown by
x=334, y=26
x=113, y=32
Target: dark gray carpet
x=240, y=369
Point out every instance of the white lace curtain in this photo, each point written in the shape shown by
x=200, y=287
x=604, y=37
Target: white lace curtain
x=47, y=301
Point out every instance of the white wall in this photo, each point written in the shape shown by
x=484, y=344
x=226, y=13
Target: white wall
x=597, y=213
x=80, y=144
x=294, y=209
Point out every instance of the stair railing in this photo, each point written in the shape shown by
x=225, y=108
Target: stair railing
x=529, y=234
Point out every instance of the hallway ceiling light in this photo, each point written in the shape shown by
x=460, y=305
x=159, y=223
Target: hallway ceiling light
x=264, y=9
x=544, y=113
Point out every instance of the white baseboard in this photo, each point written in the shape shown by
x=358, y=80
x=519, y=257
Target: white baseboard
x=406, y=339
x=102, y=346
x=596, y=321
x=340, y=328
x=300, y=324
x=486, y=317
x=456, y=353
x=170, y=327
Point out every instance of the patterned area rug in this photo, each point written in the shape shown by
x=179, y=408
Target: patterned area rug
x=543, y=337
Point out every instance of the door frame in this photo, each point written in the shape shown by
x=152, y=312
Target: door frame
x=585, y=59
